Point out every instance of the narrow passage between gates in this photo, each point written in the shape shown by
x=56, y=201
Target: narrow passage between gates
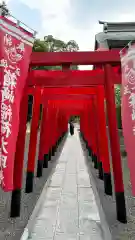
x=69, y=210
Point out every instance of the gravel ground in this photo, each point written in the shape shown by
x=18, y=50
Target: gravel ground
x=119, y=231
x=12, y=229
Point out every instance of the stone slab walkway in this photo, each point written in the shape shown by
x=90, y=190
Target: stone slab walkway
x=69, y=210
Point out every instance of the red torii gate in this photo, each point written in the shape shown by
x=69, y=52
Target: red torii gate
x=74, y=78
x=107, y=78
x=60, y=94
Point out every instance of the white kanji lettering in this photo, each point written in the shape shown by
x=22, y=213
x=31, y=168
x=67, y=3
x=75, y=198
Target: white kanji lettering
x=134, y=131
x=17, y=71
x=133, y=114
x=3, y=63
x=131, y=76
x=126, y=90
x=3, y=161
x=5, y=128
x=14, y=52
x=10, y=79
x=7, y=94
x=3, y=146
x=21, y=47
x=11, y=97
x=132, y=100
x=0, y=157
x=132, y=104
x=12, y=67
x=8, y=40
x=6, y=112
x=1, y=177
x=126, y=68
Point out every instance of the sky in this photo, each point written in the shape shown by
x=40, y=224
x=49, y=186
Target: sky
x=71, y=19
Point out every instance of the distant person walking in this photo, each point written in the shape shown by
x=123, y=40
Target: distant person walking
x=71, y=128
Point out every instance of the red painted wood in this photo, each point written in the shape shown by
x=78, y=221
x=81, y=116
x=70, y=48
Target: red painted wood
x=74, y=58
x=69, y=78
x=42, y=132
x=104, y=152
x=113, y=130
x=65, y=91
x=34, y=130
x=20, y=145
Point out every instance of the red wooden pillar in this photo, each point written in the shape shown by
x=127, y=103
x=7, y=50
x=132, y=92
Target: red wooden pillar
x=56, y=126
x=82, y=124
x=53, y=130
x=40, y=163
x=82, y=120
x=61, y=125
x=97, y=133
x=48, y=132
x=19, y=158
x=93, y=134
x=66, y=67
x=33, y=140
x=47, y=152
x=66, y=124
x=85, y=119
x=104, y=152
x=90, y=142
x=89, y=148
x=115, y=146
x=45, y=144
x=86, y=125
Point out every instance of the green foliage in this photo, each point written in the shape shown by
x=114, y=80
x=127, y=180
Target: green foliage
x=118, y=105
x=57, y=45
x=40, y=46
x=118, y=114
x=51, y=44
x=74, y=119
x=4, y=9
x=117, y=96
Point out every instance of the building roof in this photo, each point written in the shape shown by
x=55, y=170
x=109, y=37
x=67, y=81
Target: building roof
x=115, y=35
x=118, y=26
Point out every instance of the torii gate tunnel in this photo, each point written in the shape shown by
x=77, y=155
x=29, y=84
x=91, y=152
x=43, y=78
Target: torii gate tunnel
x=62, y=94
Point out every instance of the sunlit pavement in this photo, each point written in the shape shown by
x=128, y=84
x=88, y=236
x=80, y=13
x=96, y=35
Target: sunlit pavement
x=69, y=210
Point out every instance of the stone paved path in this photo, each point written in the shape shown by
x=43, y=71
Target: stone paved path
x=69, y=210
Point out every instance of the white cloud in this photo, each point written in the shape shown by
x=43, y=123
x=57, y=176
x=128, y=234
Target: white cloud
x=56, y=15
x=126, y=17
x=56, y=21
x=6, y=1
